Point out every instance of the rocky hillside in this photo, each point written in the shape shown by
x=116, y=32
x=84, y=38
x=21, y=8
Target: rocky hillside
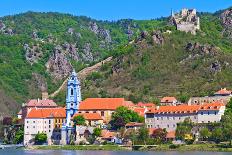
x=39, y=50
x=161, y=63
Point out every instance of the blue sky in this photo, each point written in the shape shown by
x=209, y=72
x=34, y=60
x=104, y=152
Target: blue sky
x=111, y=9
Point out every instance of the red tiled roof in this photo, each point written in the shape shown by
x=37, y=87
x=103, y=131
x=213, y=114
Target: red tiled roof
x=134, y=124
x=103, y=103
x=139, y=110
x=41, y=103
x=90, y=116
x=107, y=134
x=47, y=113
x=223, y=91
x=171, y=134
x=185, y=108
x=168, y=99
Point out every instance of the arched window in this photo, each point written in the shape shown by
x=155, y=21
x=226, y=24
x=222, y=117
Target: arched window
x=71, y=91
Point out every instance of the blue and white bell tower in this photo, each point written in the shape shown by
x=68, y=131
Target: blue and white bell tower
x=73, y=97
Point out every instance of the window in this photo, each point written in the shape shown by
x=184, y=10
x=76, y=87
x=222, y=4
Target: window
x=102, y=113
x=161, y=118
x=49, y=130
x=179, y=118
x=215, y=113
x=49, y=126
x=49, y=121
x=95, y=112
x=27, y=126
x=158, y=126
x=27, y=121
x=173, y=118
x=33, y=126
x=71, y=91
x=173, y=125
x=208, y=113
x=168, y=126
x=202, y=113
x=33, y=121
x=168, y=118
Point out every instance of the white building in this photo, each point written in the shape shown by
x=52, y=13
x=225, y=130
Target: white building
x=168, y=116
x=42, y=121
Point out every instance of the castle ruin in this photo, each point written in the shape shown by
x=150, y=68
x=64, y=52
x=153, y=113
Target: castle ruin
x=186, y=20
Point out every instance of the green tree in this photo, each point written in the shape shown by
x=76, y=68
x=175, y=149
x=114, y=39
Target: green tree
x=40, y=138
x=79, y=120
x=183, y=129
x=205, y=133
x=143, y=134
x=217, y=135
x=229, y=106
x=18, y=137
x=97, y=132
x=123, y=115
x=159, y=135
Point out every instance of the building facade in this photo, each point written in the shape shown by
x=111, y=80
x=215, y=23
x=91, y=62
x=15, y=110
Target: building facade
x=169, y=116
x=42, y=121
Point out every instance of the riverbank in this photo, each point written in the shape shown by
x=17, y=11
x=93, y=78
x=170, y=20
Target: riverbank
x=182, y=148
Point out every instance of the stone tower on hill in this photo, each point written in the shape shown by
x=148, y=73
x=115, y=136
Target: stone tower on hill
x=186, y=20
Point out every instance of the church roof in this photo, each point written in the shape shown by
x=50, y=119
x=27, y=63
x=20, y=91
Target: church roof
x=103, y=103
x=47, y=113
x=89, y=116
x=41, y=103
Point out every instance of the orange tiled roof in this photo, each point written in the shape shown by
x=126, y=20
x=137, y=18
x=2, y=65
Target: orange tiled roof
x=47, y=113
x=139, y=110
x=90, y=116
x=107, y=134
x=168, y=99
x=41, y=103
x=103, y=103
x=185, y=108
x=171, y=134
x=223, y=91
x=151, y=130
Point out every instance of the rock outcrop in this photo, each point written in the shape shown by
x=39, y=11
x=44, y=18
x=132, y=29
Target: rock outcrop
x=226, y=18
x=71, y=51
x=32, y=54
x=197, y=48
x=58, y=64
x=40, y=82
x=87, y=54
x=157, y=38
x=101, y=32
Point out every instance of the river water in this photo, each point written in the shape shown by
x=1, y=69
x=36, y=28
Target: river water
x=61, y=152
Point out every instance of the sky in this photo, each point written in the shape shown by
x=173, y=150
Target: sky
x=111, y=9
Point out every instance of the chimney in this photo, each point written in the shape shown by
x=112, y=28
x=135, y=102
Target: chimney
x=157, y=107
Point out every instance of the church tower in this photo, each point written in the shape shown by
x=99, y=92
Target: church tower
x=73, y=97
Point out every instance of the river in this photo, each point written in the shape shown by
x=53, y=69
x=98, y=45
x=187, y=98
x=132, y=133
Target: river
x=63, y=152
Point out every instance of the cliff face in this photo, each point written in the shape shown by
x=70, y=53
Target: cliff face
x=39, y=50
x=226, y=18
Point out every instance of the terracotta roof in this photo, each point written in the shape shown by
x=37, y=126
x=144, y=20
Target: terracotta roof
x=103, y=103
x=141, y=104
x=171, y=134
x=168, y=99
x=212, y=106
x=185, y=108
x=107, y=134
x=47, y=113
x=139, y=110
x=41, y=103
x=151, y=130
x=90, y=116
x=133, y=124
x=223, y=91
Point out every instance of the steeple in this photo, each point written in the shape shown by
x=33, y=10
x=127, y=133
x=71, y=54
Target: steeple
x=73, y=96
x=172, y=13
